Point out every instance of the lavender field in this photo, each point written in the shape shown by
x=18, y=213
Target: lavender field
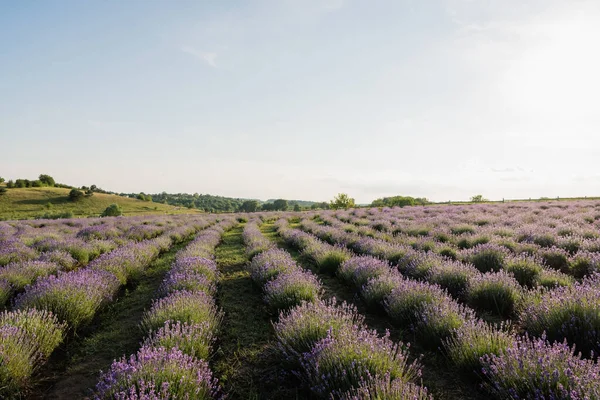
x=447, y=302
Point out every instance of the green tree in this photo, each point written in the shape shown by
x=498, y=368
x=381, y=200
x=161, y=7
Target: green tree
x=3, y=191
x=76, y=195
x=297, y=207
x=114, y=210
x=342, y=200
x=267, y=207
x=47, y=180
x=478, y=199
x=249, y=206
x=280, y=204
x=10, y=184
x=1, y=179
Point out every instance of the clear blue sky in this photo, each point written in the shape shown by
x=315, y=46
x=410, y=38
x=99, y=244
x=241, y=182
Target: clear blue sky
x=304, y=99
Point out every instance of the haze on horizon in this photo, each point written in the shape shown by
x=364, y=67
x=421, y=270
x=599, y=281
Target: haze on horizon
x=302, y=99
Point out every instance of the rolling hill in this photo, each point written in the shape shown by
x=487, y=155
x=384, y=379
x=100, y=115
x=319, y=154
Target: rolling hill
x=35, y=202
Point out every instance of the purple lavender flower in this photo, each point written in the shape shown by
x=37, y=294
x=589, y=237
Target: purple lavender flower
x=158, y=373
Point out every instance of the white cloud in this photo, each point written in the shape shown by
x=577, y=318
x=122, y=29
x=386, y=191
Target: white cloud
x=206, y=57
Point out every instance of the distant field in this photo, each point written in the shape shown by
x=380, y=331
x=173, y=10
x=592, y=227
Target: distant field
x=34, y=202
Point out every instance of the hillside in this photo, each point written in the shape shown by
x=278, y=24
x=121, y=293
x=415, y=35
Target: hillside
x=35, y=202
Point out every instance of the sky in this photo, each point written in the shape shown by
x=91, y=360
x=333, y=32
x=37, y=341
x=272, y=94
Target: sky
x=303, y=99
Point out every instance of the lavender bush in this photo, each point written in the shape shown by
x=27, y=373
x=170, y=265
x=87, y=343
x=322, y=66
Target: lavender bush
x=346, y=361
x=538, y=370
x=192, y=339
x=495, y=292
x=158, y=373
x=74, y=297
x=567, y=313
x=300, y=328
x=291, y=288
x=183, y=306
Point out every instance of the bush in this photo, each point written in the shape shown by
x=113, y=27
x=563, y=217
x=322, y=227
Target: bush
x=76, y=195
x=453, y=276
x=473, y=340
x=567, y=313
x=195, y=340
x=346, y=361
x=3, y=191
x=114, y=210
x=73, y=297
x=42, y=327
x=386, y=388
x=494, y=292
x=536, y=369
x=300, y=328
x=359, y=269
x=584, y=263
x=487, y=257
x=555, y=258
x=19, y=357
x=158, y=373
x=526, y=270
x=269, y=264
x=291, y=289
x=183, y=306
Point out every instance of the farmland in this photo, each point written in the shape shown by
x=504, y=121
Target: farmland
x=444, y=301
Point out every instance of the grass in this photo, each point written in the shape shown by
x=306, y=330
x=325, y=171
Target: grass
x=74, y=369
x=34, y=202
x=438, y=376
x=246, y=361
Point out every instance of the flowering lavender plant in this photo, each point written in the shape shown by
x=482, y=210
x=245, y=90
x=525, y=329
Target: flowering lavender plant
x=567, y=313
x=183, y=306
x=347, y=360
x=269, y=264
x=486, y=257
x=453, y=276
x=192, y=339
x=19, y=358
x=42, y=327
x=74, y=297
x=473, y=340
x=301, y=327
x=292, y=288
x=158, y=373
x=538, y=370
x=388, y=389
x=495, y=292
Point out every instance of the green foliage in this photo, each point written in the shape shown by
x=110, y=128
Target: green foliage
x=1, y=179
x=342, y=200
x=249, y=206
x=2, y=191
x=400, y=201
x=280, y=205
x=297, y=207
x=46, y=180
x=10, y=184
x=144, y=197
x=114, y=210
x=76, y=195
x=322, y=206
x=478, y=198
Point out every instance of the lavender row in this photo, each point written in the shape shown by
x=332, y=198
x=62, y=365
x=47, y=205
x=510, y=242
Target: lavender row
x=568, y=240
x=325, y=344
x=567, y=312
x=182, y=326
x=65, y=250
x=59, y=301
x=511, y=367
